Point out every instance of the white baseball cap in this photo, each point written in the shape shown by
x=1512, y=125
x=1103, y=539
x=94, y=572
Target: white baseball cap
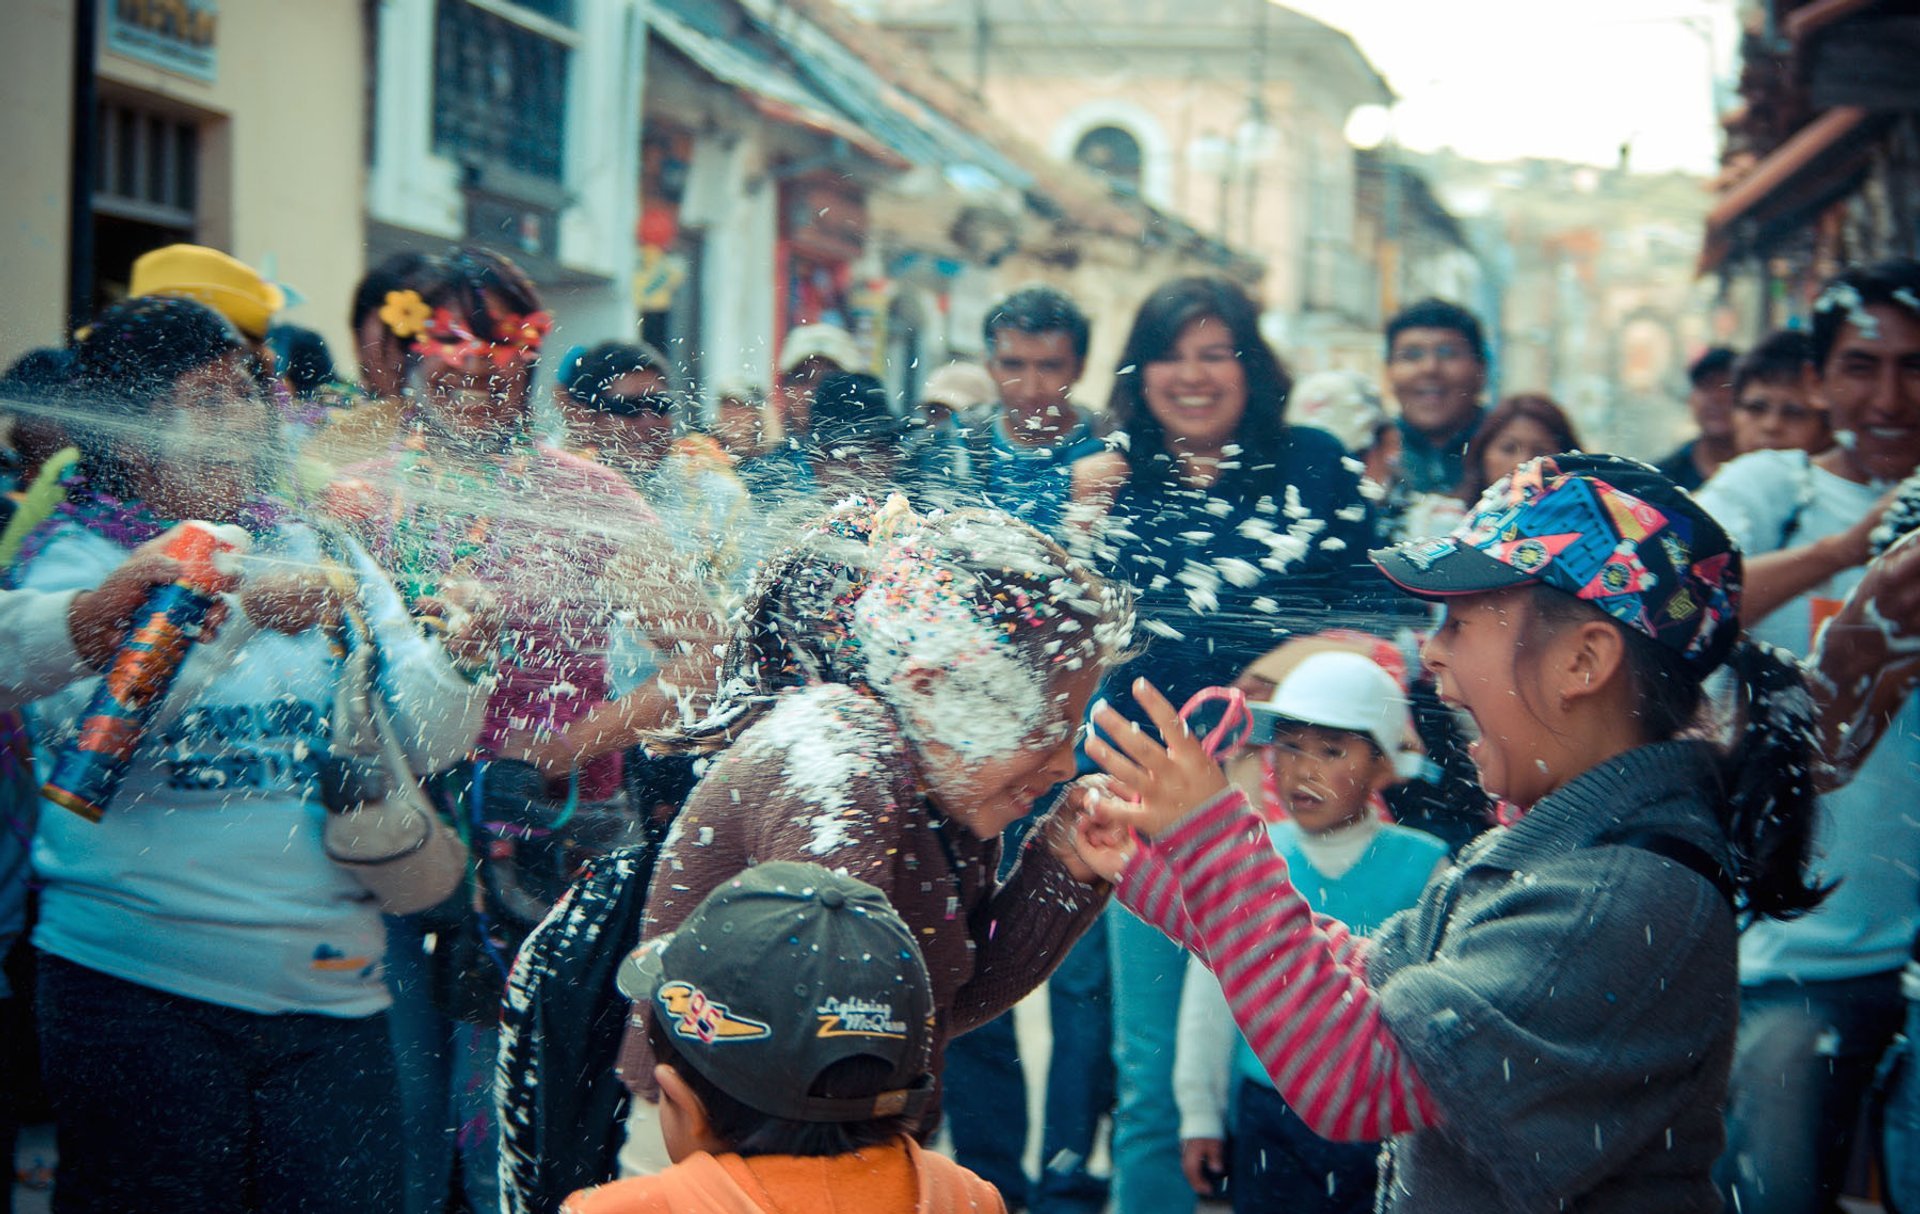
x=1342, y=691
x=830, y=342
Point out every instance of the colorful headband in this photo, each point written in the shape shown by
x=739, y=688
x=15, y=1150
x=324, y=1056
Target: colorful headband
x=517, y=337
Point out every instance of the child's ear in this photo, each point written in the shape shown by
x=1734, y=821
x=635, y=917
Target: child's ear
x=1597, y=654
x=684, y=1121
x=1385, y=776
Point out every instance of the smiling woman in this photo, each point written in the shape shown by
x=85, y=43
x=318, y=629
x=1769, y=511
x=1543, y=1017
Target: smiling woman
x=1236, y=529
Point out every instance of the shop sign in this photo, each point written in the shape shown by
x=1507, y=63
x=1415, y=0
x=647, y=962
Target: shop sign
x=178, y=36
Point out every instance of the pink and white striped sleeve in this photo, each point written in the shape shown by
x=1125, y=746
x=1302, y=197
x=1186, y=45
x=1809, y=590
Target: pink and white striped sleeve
x=1297, y=989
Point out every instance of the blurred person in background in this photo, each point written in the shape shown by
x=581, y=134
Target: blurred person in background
x=808, y=356
x=1773, y=409
x=1820, y=995
x=617, y=405
x=856, y=442
x=1437, y=370
x=957, y=401
x=1521, y=428
x=740, y=419
x=387, y=316
x=620, y=408
x=1710, y=401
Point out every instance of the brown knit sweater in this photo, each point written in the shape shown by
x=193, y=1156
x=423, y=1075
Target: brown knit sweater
x=825, y=777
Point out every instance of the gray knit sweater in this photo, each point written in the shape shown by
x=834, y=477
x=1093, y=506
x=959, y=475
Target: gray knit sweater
x=1570, y=1004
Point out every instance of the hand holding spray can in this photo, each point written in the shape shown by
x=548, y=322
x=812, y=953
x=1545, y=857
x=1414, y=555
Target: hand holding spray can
x=89, y=768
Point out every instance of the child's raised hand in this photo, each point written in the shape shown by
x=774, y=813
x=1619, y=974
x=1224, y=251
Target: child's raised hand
x=1168, y=781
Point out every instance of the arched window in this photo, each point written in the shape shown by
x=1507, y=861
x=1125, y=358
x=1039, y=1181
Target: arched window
x=1113, y=153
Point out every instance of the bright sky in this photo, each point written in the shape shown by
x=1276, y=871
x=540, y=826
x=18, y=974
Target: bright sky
x=1567, y=79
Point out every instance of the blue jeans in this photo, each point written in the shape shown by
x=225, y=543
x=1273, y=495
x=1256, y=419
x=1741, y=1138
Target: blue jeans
x=984, y=1095
x=445, y=1072
x=1280, y=1164
x=985, y=1091
x=1805, y=1058
x=1080, y=1079
x=1147, y=972
x=163, y=1103
x=1901, y=1153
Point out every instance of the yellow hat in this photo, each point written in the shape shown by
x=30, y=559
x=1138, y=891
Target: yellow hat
x=227, y=285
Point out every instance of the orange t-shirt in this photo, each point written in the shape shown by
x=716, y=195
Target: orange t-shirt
x=896, y=1179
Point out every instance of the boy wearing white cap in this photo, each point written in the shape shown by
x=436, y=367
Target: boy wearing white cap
x=1335, y=737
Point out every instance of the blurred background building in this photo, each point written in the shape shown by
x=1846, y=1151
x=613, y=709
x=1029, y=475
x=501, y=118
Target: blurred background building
x=1822, y=155
x=708, y=173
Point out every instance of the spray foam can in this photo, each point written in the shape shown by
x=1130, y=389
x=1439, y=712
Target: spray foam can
x=88, y=769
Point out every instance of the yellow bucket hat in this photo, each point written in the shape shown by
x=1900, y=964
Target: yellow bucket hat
x=226, y=284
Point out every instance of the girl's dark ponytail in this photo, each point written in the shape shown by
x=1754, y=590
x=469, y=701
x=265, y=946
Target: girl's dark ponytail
x=1769, y=777
x=1768, y=768
x=792, y=629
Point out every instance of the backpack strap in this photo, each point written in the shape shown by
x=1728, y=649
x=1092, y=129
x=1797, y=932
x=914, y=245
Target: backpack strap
x=1681, y=852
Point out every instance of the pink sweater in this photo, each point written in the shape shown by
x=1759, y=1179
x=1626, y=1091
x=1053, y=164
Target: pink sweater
x=1296, y=981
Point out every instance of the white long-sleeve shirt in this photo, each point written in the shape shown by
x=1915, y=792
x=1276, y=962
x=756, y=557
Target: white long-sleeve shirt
x=207, y=878
x=38, y=648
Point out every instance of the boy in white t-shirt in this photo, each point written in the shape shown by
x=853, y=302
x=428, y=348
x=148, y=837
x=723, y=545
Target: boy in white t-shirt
x=1337, y=727
x=1820, y=995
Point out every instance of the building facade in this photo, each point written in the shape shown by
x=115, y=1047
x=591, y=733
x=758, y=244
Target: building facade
x=1232, y=116
x=513, y=124
x=234, y=126
x=1821, y=164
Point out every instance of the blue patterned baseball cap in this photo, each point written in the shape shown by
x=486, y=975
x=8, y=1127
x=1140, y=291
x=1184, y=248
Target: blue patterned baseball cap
x=1610, y=531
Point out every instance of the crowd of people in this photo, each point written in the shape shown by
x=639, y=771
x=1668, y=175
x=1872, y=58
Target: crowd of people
x=583, y=797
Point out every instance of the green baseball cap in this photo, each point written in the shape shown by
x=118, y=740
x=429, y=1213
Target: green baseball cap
x=782, y=972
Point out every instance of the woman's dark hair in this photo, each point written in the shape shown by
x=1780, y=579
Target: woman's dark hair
x=1767, y=775
x=594, y=371
x=1533, y=407
x=395, y=273
x=302, y=358
x=750, y=1132
x=466, y=278
x=796, y=626
x=1881, y=284
x=1156, y=328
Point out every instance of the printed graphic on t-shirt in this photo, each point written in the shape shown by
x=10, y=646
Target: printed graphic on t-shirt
x=244, y=747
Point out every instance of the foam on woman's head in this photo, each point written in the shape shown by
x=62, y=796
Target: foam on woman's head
x=866, y=595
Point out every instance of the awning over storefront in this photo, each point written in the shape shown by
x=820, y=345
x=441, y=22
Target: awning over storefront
x=765, y=85
x=1820, y=164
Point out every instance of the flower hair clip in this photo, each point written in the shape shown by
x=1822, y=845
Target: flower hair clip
x=405, y=314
